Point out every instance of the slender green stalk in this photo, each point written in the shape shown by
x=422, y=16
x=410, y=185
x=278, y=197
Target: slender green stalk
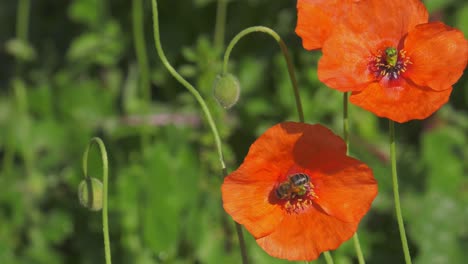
x=396, y=195
x=328, y=257
x=285, y=52
x=22, y=20
x=140, y=48
x=105, y=172
x=186, y=84
x=204, y=107
x=22, y=28
x=357, y=244
x=346, y=121
x=245, y=258
x=220, y=24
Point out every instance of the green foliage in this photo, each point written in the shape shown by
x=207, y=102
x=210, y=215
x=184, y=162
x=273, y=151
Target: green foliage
x=76, y=77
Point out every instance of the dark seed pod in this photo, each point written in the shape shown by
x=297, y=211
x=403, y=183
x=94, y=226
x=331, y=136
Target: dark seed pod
x=90, y=193
x=226, y=90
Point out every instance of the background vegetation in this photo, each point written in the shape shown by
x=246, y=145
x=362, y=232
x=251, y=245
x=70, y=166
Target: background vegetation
x=74, y=74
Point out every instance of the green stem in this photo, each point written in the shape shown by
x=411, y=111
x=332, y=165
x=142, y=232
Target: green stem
x=396, y=195
x=22, y=22
x=328, y=257
x=140, y=48
x=105, y=171
x=22, y=27
x=242, y=246
x=357, y=244
x=186, y=84
x=285, y=52
x=204, y=107
x=220, y=24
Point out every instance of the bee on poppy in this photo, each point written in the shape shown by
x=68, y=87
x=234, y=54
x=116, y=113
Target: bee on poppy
x=332, y=191
x=295, y=185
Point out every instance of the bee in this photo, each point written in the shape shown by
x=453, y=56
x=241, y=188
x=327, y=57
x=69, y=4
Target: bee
x=294, y=186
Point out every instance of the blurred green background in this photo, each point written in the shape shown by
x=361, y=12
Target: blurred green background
x=69, y=72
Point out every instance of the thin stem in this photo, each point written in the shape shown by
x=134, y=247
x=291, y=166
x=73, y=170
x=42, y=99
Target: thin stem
x=22, y=20
x=396, y=195
x=357, y=244
x=204, y=107
x=105, y=172
x=22, y=28
x=186, y=84
x=220, y=24
x=240, y=235
x=346, y=121
x=140, y=48
x=328, y=257
x=285, y=52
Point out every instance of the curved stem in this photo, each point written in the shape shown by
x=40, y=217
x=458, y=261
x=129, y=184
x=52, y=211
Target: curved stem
x=285, y=52
x=140, y=48
x=328, y=257
x=105, y=171
x=357, y=244
x=186, y=84
x=396, y=195
x=204, y=107
x=220, y=24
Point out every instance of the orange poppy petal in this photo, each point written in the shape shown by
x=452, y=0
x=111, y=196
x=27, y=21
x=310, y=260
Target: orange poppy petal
x=344, y=64
x=345, y=187
x=438, y=53
x=374, y=25
x=316, y=19
x=313, y=140
x=247, y=202
x=282, y=147
x=388, y=20
x=402, y=103
x=305, y=236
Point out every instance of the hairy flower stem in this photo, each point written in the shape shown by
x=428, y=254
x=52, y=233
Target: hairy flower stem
x=285, y=52
x=220, y=25
x=105, y=170
x=204, y=107
x=140, y=48
x=328, y=257
x=141, y=54
x=22, y=27
x=357, y=244
x=396, y=195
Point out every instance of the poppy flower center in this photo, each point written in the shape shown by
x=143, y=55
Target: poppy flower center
x=295, y=193
x=389, y=63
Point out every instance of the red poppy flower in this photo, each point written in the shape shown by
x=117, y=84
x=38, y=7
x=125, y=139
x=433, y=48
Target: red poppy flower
x=317, y=18
x=396, y=64
x=297, y=192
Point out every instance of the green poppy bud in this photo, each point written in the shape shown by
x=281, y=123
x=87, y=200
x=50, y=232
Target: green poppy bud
x=226, y=90
x=90, y=193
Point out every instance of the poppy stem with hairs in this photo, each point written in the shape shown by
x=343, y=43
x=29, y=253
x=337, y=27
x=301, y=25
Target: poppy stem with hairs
x=396, y=195
x=140, y=49
x=220, y=25
x=328, y=257
x=357, y=244
x=105, y=172
x=142, y=59
x=201, y=102
x=285, y=52
x=22, y=27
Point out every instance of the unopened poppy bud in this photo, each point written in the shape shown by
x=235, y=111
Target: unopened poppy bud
x=90, y=193
x=226, y=90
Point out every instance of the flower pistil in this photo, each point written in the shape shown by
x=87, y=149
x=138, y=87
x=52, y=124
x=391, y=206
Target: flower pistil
x=389, y=63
